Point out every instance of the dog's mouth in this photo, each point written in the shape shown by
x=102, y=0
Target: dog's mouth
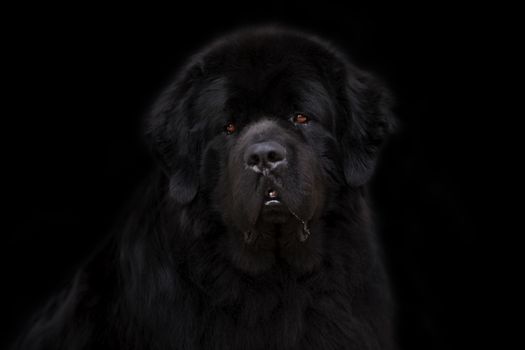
x=275, y=211
x=274, y=206
x=272, y=198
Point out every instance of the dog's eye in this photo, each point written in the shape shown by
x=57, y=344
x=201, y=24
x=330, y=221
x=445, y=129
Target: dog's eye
x=230, y=128
x=301, y=119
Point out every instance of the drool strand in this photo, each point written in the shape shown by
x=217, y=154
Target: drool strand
x=303, y=236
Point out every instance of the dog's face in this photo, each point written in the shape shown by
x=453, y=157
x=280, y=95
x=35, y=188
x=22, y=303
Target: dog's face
x=266, y=129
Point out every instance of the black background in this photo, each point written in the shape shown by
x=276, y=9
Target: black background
x=80, y=80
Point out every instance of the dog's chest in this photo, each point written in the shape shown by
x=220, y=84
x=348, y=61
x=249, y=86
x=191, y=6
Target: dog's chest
x=297, y=321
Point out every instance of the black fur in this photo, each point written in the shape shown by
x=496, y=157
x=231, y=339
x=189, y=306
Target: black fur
x=202, y=262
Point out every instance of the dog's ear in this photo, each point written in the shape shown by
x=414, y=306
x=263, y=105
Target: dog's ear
x=176, y=150
x=367, y=104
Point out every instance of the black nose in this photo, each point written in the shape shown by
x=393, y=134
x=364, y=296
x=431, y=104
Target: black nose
x=264, y=155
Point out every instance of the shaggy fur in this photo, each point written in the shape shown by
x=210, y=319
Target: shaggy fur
x=204, y=260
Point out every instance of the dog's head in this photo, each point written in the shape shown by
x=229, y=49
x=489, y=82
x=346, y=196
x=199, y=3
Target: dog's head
x=266, y=126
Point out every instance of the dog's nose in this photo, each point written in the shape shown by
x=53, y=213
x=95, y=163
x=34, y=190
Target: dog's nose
x=264, y=155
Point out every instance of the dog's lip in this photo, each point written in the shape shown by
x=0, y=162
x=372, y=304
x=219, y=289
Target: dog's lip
x=273, y=202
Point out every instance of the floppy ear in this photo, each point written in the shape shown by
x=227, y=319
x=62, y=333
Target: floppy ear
x=367, y=106
x=166, y=133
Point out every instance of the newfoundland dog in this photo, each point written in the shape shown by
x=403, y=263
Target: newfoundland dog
x=254, y=232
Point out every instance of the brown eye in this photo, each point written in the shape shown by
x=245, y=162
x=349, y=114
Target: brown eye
x=230, y=128
x=301, y=119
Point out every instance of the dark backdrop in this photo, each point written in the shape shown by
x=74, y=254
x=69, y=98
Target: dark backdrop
x=80, y=80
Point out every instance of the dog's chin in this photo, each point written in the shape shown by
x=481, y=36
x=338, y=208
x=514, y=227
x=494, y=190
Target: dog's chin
x=274, y=212
x=276, y=223
x=279, y=233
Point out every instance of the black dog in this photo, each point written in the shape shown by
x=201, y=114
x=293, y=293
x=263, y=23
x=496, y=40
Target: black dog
x=254, y=233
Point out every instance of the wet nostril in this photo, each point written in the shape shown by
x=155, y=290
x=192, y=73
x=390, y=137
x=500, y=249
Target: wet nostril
x=272, y=156
x=275, y=154
x=253, y=159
